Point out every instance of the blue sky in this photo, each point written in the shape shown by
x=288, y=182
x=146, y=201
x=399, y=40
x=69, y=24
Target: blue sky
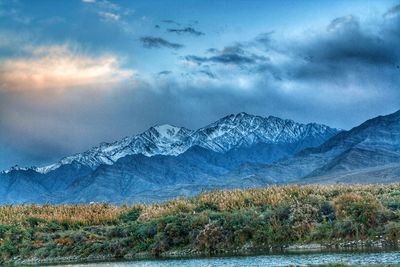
x=76, y=73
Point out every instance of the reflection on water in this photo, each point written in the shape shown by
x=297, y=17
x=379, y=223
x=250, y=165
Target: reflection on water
x=358, y=258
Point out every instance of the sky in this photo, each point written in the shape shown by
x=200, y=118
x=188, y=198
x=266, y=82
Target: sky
x=79, y=72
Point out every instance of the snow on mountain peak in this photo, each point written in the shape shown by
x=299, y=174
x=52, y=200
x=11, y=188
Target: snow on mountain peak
x=167, y=129
x=235, y=130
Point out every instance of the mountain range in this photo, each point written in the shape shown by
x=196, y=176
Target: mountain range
x=236, y=151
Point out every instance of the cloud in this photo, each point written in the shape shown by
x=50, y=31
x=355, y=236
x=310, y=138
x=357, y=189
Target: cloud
x=348, y=67
x=394, y=11
x=227, y=58
x=340, y=74
x=13, y=10
x=108, y=5
x=208, y=73
x=265, y=38
x=230, y=55
x=110, y=12
x=109, y=16
x=164, y=72
x=345, y=52
x=60, y=67
x=345, y=22
x=188, y=30
x=157, y=42
x=170, y=21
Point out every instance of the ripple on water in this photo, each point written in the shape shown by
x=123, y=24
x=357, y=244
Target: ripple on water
x=267, y=260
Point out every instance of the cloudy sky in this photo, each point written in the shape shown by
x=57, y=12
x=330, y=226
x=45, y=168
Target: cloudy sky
x=76, y=73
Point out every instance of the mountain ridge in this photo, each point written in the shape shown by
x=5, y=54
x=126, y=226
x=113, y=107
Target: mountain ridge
x=176, y=159
x=376, y=142
x=234, y=130
x=237, y=151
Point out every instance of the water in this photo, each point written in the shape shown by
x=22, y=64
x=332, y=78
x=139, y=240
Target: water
x=356, y=258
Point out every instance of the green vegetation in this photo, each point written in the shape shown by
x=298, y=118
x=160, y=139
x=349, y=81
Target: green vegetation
x=255, y=220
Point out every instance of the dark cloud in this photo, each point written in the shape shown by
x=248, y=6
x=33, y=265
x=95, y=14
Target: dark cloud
x=228, y=58
x=394, y=11
x=170, y=21
x=346, y=22
x=188, y=30
x=348, y=68
x=346, y=51
x=209, y=74
x=230, y=55
x=164, y=72
x=265, y=38
x=212, y=50
x=157, y=42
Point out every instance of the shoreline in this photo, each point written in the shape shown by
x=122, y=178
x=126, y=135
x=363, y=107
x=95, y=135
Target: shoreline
x=354, y=246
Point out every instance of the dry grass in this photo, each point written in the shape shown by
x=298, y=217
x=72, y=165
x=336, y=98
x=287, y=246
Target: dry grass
x=86, y=214
x=92, y=214
x=269, y=196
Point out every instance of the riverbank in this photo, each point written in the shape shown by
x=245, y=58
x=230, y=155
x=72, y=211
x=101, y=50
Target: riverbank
x=237, y=222
x=353, y=257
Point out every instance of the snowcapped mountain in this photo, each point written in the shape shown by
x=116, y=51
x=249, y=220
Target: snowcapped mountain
x=233, y=131
x=244, y=130
x=157, y=140
x=368, y=153
x=237, y=151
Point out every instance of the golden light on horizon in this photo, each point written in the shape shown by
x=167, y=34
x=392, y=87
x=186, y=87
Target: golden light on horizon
x=58, y=67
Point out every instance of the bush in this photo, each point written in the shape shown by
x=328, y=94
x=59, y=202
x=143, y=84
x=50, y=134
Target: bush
x=348, y=229
x=207, y=206
x=177, y=229
x=34, y=221
x=362, y=209
x=392, y=231
x=324, y=231
x=131, y=215
x=327, y=212
x=211, y=238
x=3, y=230
x=263, y=236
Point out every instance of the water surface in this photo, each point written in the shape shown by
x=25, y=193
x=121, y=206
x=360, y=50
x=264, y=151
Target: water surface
x=355, y=258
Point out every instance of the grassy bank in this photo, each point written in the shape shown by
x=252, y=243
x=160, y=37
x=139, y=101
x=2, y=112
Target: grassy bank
x=235, y=221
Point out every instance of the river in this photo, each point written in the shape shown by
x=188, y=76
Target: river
x=351, y=258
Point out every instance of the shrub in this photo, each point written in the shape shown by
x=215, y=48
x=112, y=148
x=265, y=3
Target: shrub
x=263, y=235
x=327, y=211
x=303, y=218
x=131, y=215
x=362, y=209
x=34, y=221
x=324, y=231
x=177, y=229
x=211, y=238
x=392, y=231
x=207, y=206
x=8, y=249
x=348, y=229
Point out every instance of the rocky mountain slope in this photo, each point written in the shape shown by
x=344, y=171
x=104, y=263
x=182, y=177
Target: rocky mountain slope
x=233, y=131
x=165, y=159
x=236, y=151
x=367, y=153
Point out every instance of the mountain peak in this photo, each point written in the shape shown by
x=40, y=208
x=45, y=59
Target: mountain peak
x=232, y=131
x=168, y=129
